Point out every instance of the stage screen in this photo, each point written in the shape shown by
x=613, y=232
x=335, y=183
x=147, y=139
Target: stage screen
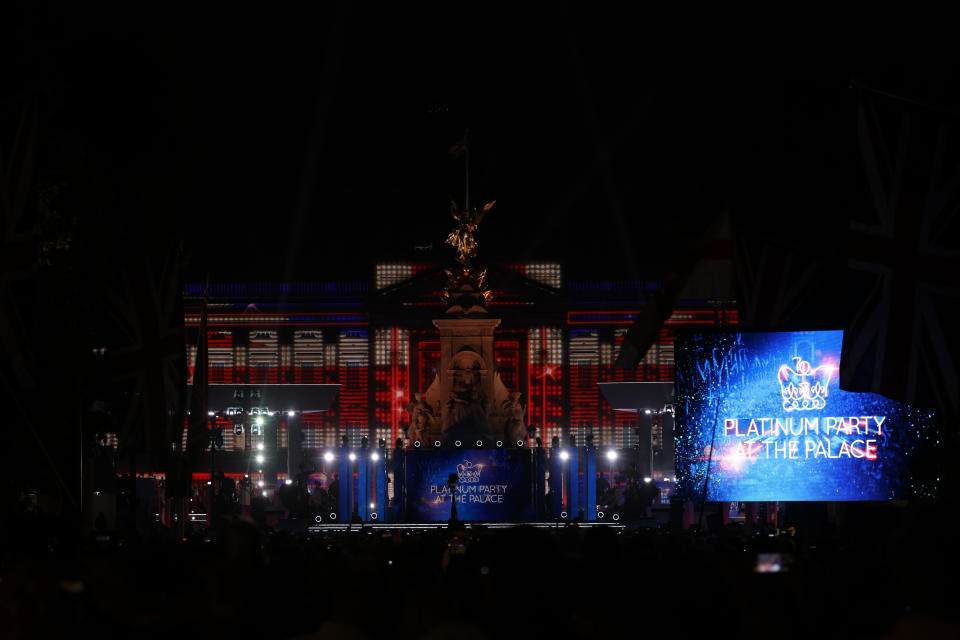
x=769, y=409
x=492, y=485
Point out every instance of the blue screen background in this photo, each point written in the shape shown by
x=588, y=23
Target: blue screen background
x=499, y=468
x=724, y=376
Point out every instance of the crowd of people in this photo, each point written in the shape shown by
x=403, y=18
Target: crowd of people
x=251, y=580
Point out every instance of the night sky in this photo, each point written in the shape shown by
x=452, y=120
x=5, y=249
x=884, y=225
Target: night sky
x=287, y=145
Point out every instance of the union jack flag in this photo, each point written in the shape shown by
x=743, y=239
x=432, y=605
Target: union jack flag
x=149, y=364
x=904, y=258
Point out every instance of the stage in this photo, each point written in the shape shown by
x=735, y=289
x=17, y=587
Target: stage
x=438, y=526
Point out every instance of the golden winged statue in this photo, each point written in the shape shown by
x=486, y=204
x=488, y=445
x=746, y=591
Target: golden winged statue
x=462, y=235
x=462, y=239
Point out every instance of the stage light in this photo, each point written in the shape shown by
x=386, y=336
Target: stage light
x=563, y=514
x=399, y=393
x=259, y=459
x=436, y=443
x=416, y=444
x=647, y=411
x=328, y=456
x=600, y=515
x=259, y=421
x=352, y=456
x=333, y=516
x=373, y=516
x=479, y=443
x=520, y=443
x=611, y=455
x=318, y=519
x=264, y=494
x=209, y=482
x=246, y=475
x=260, y=484
x=499, y=443
x=457, y=443
x=211, y=413
x=647, y=480
x=290, y=414
x=288, y=481
x=374, y=456
x=564, y=456
x=259, y=446
x=616, y=516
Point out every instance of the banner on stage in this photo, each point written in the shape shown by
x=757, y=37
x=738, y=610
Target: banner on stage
x=492, y=484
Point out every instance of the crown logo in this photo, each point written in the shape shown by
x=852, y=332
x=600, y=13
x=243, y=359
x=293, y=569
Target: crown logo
x=468, y=472
x=804, y=388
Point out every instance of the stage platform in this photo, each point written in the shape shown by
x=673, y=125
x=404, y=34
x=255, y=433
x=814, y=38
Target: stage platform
x=439, y=526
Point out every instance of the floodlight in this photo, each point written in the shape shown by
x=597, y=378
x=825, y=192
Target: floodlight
x=374, y=456
x=611, y=455
x=352, y=456
x=564, y=456
x=328, y=456
x=260, y=459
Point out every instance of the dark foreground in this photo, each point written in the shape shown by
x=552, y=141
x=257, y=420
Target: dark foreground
x=567, y=583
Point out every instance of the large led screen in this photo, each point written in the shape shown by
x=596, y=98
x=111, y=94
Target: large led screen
x=761, y=417
x=492, y=484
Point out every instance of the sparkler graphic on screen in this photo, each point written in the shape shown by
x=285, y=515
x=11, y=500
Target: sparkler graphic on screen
x=804, y=388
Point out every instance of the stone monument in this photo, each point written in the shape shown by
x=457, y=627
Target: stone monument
x=467, y=400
